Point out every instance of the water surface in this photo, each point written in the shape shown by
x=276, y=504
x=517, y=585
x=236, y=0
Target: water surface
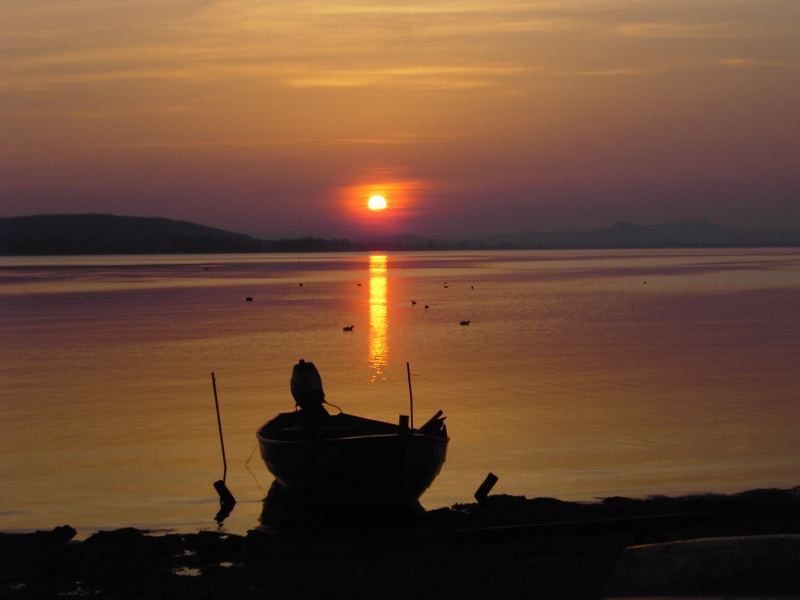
x=583, y=374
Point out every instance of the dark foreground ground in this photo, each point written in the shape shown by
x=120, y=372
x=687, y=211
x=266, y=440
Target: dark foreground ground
x=509, y=547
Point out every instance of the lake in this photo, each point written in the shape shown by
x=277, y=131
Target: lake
x=583, y=374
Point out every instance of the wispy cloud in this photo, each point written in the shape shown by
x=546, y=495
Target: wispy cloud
x=314, y=43
x=427, y=77
x=614, y=71
x=394, y=139
x=673, y=66
x=90, y=114
x=754, y=63
x=293, y=75
x=390, y=139
x=687, y=30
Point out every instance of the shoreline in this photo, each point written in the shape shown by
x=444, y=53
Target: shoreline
x=508, y=546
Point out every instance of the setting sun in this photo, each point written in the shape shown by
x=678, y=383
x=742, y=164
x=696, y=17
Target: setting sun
x=376, y=203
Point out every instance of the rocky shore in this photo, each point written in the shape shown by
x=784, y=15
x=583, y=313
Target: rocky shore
x=506, y=547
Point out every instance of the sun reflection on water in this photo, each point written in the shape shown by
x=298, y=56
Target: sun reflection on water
x=378, y=322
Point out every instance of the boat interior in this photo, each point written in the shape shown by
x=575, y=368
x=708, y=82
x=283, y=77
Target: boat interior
x=298, y=425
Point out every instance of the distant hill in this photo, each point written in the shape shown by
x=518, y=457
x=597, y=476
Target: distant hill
x=680, y=234
x=109, y=234
x=113, y=234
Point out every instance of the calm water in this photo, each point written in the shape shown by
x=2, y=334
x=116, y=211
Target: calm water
x=582, y=375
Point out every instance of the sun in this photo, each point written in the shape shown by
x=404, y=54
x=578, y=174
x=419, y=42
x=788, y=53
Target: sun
x=376, y=203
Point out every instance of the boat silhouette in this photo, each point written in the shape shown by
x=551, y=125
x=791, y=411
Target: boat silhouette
x=347, y=460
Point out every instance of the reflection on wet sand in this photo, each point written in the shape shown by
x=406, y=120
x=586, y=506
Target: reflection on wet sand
x=378, y=348
x=283, y=511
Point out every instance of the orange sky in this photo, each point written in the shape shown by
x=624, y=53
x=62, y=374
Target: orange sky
x=476, y=117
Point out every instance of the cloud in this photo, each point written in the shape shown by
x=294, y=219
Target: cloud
x=425, y=77
x=754, y=63
x=394, y=140
x=436, y=44
x=686, y=30
x=632, y=71
x=397, y=139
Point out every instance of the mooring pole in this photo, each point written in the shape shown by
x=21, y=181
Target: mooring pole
x=219, y=425
x=410, y=398
x=226, y=499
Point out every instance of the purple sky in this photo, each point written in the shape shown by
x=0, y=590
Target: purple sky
x=470, y=117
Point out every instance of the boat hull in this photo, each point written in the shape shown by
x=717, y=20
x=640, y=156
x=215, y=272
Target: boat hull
x=386, y=470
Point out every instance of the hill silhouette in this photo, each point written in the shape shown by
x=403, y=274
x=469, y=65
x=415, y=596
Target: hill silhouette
x=111, y=234
x=679, y=234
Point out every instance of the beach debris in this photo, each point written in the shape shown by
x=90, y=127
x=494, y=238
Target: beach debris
x=482, y=493
x=764, y=565
x=39, y=538
x=639, y=525
x=187, y=572
x=348, y=328
x=464, y=322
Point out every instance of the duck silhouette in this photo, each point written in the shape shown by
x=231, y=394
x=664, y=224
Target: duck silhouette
x=464, y=322
x=348, y=328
